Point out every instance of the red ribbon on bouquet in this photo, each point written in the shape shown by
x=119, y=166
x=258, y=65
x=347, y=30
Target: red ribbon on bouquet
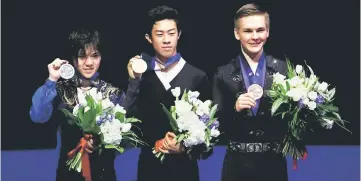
x=295, y=160
x=82, y=145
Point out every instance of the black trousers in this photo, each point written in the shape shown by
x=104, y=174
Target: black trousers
x=174, y=167
x=255, y=166
x=101, y=168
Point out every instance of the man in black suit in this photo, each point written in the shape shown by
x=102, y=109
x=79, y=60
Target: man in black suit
x=253, y=135
x=167, y=70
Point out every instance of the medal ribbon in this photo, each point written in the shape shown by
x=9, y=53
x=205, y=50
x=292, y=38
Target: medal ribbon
x=170, y=61
x=250, y=78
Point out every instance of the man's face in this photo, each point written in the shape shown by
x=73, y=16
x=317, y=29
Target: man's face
x=89, y=63
x=164, y=38
x=252, y=32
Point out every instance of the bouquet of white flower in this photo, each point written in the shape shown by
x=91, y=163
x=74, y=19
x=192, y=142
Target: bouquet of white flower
x=192, y=121
x=96, y=115
x=303, y=100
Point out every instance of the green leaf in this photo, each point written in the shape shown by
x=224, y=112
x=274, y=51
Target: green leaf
x=109, y=146
x=327, y=107
x=272, y=93
x=69, y=116
x=89, y=121
x=309, y=68
x=120, y=149
x=172, y=121
x=81, y=114
x=135, y=139
x=120, y=116
x=288, y=87
x=95, y=130
x=208, y=133
x=172, y=109
x=100, y=151
x=295, y=130
x=212, y=112
x=180, y=137
x=282, y=89
x=132, y=120
x=174, y=115
x=90, y=101
x=99, y=108
x=276, y=104
x=290, y=70
x=331, y=93
x=101, y=137
x=184, y=96
x=283, y=114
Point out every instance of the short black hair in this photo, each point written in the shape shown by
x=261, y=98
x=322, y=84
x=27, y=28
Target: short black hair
x=161, y=13
x=81, y=39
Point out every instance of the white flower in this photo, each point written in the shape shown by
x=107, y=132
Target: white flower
x=98, y=118
x=309, y=83
x=119, y=108
x=207, y=103
x=186, y=121
x=111, y=132
x=322, y=87
x=316, y=86
x=311, y=105
x=176, y=92
x=182, y=107
x=203, y=108
x=196, y=137
x=215, y=132
x=299, y=69
x=327, y=124
x=305, y=101
x=297, y=93
x=82, y=100
x=284, y=84
x=295, y=81
x=312, y=95
x=93, y=93
x=86, y=109
x=197, y=102
x=99, y=96
x=110, y=116
x=312, y=80
x=125, y=127
x=190, y=141
x=193, y=96
x=106, y=103
x=76, y=110
x=278, y=78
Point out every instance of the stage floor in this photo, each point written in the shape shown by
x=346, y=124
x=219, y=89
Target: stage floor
x=324, y=163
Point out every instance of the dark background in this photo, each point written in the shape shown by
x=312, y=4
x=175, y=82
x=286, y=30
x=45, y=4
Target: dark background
x=324, y=33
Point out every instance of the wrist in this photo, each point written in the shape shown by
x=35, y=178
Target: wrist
x=53, y=79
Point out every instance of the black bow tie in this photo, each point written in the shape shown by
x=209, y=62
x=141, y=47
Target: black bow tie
x=86, y=83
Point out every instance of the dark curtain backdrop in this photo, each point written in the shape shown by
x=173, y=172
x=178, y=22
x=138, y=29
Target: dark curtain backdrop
x=34, y=33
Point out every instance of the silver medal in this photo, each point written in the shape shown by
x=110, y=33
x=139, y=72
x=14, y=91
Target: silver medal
x=256, y=90
x=66, y=71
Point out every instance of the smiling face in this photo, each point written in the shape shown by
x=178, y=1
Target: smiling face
x=88, y=62
x=252, y=32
